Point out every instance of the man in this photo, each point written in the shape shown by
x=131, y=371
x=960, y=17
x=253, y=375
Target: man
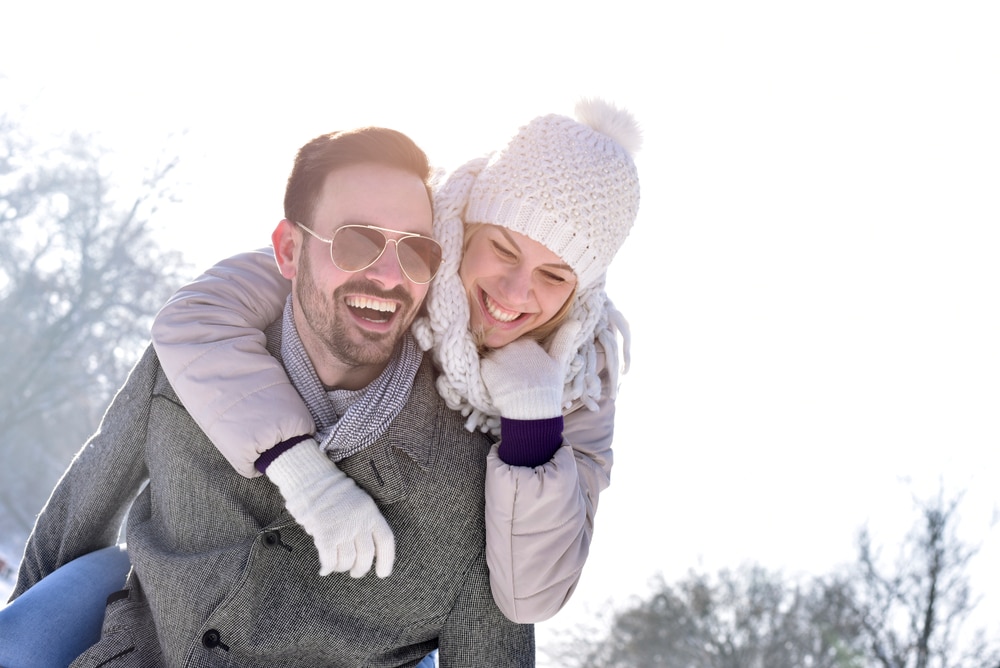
x=222, y=575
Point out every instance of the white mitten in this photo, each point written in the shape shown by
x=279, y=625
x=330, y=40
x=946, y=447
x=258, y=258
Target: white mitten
x=524, y=381
x=343, y=520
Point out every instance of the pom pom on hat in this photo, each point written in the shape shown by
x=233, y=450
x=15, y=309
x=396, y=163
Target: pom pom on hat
x=608, y=120
x=570, y=185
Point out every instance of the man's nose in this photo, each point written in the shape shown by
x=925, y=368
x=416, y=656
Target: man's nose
x=387, y=270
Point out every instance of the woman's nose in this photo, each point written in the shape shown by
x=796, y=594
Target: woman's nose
x=516, y=286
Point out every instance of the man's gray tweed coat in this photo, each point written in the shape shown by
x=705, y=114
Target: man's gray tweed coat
x=222, y=576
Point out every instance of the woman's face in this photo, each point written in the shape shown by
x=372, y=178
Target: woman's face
x=514, y=284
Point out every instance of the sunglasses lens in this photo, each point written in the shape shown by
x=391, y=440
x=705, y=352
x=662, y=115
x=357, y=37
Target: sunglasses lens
x=355, y=248
x=419, y=257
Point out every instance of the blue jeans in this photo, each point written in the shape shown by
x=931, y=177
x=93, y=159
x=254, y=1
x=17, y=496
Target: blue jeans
x=429, y=661
x=57, y=619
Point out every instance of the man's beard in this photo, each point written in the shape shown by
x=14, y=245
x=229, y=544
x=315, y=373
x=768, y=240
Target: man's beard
x=341, y=338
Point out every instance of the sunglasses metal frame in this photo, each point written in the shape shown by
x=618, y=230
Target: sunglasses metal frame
x=382, y=230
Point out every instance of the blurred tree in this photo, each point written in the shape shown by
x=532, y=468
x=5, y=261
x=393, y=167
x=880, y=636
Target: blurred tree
x=750, y=618
x=80, y=279
x=913, y=613
x=908, y=616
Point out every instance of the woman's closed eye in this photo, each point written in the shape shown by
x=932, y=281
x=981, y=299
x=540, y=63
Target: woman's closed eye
x=503, y=252
x=554, y=278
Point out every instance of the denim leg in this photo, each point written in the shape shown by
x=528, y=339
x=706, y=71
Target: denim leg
x=429, y=661
x=54, y=621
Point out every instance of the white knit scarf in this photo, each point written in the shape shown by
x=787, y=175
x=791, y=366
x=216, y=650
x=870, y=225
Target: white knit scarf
x=445, y=329
x=370, y=410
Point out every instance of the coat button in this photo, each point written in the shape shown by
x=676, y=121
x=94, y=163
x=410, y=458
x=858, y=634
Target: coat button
x=273, y=539
x=212, y=639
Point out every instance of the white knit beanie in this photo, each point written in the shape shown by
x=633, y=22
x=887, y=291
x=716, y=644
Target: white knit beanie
x=570, y=185
x=573, y=187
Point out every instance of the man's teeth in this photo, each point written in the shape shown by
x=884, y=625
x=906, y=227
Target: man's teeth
x=501, y=314
x=372, y=303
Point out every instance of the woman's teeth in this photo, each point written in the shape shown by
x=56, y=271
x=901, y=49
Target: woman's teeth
x=498, y=312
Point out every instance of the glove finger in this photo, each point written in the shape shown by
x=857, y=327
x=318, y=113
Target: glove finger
x=346, y=556
x=327, y=549
x=562, y=348
x=365, y=554
x=385, y=550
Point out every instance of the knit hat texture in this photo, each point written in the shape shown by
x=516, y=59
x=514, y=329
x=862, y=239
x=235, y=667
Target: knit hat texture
x=570, y=185
x=573, y=187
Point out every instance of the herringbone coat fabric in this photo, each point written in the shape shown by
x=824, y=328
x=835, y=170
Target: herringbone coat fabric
x=222, y=575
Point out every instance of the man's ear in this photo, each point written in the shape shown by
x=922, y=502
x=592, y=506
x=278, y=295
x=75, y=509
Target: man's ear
x=287, y=242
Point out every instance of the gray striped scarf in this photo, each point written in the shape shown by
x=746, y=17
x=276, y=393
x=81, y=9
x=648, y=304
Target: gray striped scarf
x=364, y=414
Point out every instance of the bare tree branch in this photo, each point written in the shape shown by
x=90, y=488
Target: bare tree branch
x=80, y=279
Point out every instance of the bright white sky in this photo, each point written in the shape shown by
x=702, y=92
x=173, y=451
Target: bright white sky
x=812, y=282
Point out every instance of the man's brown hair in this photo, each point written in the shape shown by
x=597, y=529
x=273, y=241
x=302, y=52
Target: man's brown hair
x=336, y=150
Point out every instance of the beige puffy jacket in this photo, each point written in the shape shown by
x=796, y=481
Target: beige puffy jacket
x=539, y=521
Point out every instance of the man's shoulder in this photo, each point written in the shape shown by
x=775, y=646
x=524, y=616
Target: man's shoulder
x=146, y=377
x=148, y=372
x=146, y=384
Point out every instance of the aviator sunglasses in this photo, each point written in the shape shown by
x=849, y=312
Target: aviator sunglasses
x=356, y=247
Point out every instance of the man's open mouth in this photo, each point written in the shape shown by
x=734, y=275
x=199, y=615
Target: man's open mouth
x=372, y=309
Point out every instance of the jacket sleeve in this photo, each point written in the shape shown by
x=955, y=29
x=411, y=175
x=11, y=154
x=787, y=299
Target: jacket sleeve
x=85, y=511
x=210, y=341
x=539, y=521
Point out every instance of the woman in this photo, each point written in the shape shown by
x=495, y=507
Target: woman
x=517, y=322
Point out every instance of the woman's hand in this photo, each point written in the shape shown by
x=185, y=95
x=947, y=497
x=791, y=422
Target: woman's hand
x=524, y=380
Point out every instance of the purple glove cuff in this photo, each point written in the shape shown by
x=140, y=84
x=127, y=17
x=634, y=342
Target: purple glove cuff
x=268, y=456
x=529, y=442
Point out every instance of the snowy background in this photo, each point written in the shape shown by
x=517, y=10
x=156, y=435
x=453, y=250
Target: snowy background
x=812, y=282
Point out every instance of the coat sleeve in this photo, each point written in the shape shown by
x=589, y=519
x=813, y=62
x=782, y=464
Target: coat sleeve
x=476, y=634
x=210, y=341
x=85, y=511
x=539, y=521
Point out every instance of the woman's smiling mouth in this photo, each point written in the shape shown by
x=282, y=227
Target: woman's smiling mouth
x=497, y=312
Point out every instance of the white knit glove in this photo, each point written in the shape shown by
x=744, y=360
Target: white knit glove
x=342, y=518
x=524, y=381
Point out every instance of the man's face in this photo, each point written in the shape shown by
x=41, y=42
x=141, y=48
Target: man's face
x=350, y=323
